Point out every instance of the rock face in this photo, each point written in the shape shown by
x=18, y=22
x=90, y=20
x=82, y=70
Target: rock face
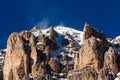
x=90, y=54
x=24, y=57
x=52, y=39
x=58, y=54
x=16, y=59
x=54, y=65
x=110, y=61
x=93, y=49
x=89, y=32
x=94, y=56
x=89, y=74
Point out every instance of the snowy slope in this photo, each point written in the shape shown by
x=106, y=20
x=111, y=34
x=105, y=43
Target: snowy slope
x=70, y=34
x=64, y=34
x=116, y=44
x=76, y=34
x=116, y=40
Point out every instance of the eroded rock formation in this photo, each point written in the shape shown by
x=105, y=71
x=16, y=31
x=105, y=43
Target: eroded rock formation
x=110, y=61
x=16, y=59
x=24, y=57
x=49, y=55
x=94, y=56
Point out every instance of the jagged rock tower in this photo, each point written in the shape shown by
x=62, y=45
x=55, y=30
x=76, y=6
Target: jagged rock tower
x=24, y=56
x=95, y=60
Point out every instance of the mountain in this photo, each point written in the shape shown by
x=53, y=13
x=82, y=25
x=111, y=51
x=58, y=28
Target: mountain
x=60, y=53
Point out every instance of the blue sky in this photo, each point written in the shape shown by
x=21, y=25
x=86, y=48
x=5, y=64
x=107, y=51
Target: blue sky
x=17, y=15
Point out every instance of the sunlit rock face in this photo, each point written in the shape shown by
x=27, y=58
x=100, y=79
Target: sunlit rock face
x=110, y=61
x=27, y=55
x=17, y=59
x=60, y=53
x=92, y=49
x=95, y=55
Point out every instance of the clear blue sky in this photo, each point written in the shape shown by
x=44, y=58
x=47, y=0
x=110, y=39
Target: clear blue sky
x=17, y=15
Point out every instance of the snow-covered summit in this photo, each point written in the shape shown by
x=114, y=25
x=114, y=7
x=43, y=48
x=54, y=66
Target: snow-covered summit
x=116, y=40
x=64, y=35
x=61, y=30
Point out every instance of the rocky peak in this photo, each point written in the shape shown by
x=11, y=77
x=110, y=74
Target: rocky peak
x=91, y=53
x=23, y=57
x=51, y=40
x=88, y=32
x=34, y=29
x=52, y=35
x=92, y=50
x=27, y=37
x=95, y=56
x=57, y=53
x=13, y=41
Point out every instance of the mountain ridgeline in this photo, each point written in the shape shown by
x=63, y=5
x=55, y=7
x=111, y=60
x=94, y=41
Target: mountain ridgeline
x=60, y=53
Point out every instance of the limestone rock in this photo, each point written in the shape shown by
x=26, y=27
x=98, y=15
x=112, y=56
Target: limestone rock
x=47, y=53
x=42, y=39
x=96, y=60
x=1, y=75
x=110, y=61
x=21, y=57
x=16, y=60
x=91, y=53
x=54, y=65
x=51, y=40
x=34, y=29
x=88, y=74
x=36, y=55
x=64, y=57
x=89, y=32
x=25, y=58
x=25, y=35
x=52, y=35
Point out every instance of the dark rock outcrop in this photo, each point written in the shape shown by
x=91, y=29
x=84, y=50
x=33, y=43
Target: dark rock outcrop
x=89, y=74
x=51, y=40
x=2, y=55
x=54, y=65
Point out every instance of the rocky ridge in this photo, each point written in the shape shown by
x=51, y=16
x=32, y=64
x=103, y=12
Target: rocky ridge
x=40, y=54
x=96, y=59
x=60, y=53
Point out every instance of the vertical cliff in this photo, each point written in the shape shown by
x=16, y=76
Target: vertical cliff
x=96, y=60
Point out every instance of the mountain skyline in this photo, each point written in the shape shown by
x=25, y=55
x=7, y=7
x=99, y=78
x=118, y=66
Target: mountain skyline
x=60, y=53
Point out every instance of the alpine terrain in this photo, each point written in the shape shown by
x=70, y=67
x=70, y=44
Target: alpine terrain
x=60, y=53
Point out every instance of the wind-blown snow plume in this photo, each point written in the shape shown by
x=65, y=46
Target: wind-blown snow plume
x=43, y=24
